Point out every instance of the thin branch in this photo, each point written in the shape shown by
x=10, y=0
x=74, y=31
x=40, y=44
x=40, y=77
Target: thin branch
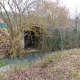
x=6, y=13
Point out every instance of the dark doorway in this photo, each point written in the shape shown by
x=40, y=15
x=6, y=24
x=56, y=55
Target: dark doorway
x=30, y=40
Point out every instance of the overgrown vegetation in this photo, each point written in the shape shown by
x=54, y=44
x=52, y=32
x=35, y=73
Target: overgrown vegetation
x=23, y=14
x=49, y=23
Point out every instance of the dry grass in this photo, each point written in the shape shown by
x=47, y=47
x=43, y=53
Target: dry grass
x=58, y=66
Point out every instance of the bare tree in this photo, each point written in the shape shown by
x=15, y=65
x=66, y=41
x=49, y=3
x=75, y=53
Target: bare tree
x=14, y=13
x=52, y=13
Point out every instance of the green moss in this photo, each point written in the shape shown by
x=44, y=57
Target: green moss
x=1, y=79
x=3, y=63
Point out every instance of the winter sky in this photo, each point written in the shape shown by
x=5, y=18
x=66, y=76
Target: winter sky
x=72, y=5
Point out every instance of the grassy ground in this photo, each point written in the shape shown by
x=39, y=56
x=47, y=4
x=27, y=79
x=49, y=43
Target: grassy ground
x=56, y=66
